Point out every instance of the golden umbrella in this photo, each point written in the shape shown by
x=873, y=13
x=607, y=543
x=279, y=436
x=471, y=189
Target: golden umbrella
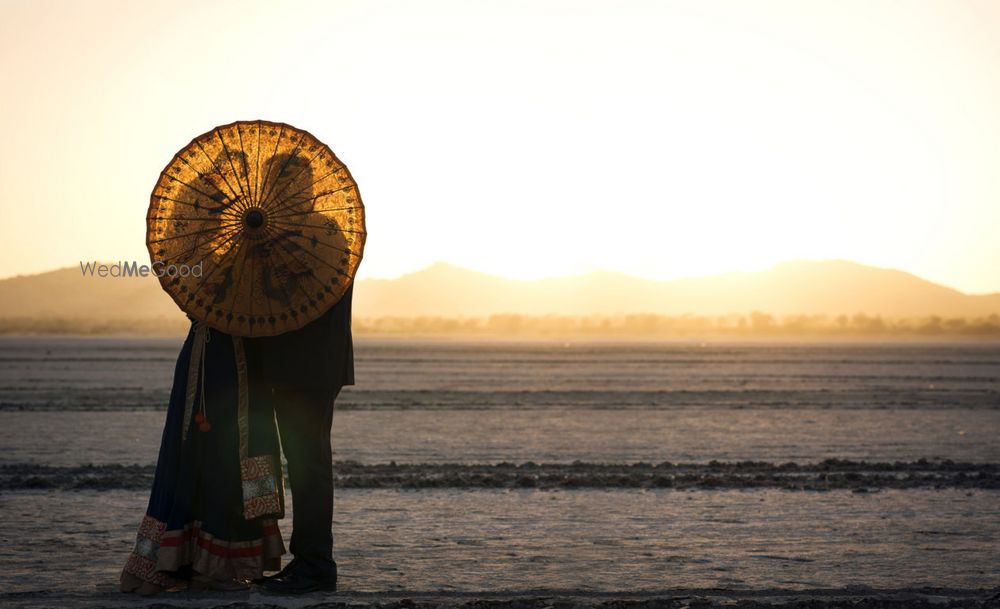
x=255, y=228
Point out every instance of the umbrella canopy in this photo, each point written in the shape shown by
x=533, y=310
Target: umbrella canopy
x=255, y=228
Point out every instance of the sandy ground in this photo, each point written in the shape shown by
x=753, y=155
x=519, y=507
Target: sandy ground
x=93, y=373
x=827, y=475
x=559, y=435
x=856, y=597
x=66, y=548
x=553, y=475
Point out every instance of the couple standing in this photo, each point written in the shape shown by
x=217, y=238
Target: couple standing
x=217, y=495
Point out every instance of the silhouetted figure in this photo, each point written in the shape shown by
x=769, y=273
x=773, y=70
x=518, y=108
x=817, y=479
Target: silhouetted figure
x=211, y=519
x=303, y=372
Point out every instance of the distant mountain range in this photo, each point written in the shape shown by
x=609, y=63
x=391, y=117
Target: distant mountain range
x=804, y=287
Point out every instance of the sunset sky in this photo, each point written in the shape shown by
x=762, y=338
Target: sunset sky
x=531, y=139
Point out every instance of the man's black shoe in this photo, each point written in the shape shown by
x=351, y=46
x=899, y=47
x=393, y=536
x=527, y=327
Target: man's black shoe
x=302, y=579
x=292, y=565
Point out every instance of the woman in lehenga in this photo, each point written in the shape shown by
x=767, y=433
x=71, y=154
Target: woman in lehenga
x=211, y=522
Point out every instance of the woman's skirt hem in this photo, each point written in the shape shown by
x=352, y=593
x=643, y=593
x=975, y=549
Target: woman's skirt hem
x=160, y=552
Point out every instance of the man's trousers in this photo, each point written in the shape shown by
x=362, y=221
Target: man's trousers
x=305, y=418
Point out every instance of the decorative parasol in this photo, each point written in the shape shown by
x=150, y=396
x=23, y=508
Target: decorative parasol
x=255, y=228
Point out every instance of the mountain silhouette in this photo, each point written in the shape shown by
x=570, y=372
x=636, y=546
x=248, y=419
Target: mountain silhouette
x=444, y=290
x=801, y=287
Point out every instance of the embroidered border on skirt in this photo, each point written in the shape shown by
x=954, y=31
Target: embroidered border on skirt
x=141, y=563
x=159, y=552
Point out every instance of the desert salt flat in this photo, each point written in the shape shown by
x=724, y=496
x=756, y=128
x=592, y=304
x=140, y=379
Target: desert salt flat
x=113, y=373
x=585, y=541
x=445, y=406
x=66, y=401
x=553, y=435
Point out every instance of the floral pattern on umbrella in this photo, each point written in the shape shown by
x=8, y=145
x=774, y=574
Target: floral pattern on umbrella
x=267, y=219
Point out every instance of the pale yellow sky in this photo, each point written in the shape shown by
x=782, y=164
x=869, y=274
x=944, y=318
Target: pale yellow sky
x=534, y=138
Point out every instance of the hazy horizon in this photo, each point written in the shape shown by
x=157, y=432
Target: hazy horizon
x=822, y=298
x=595, y=271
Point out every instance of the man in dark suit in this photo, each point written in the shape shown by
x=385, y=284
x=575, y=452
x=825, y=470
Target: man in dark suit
x=303, y=371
